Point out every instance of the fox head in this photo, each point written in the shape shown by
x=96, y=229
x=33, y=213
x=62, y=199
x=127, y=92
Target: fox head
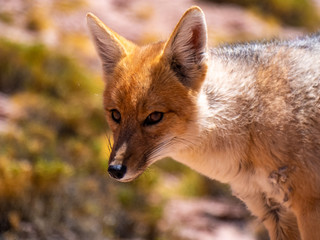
x=150, y=91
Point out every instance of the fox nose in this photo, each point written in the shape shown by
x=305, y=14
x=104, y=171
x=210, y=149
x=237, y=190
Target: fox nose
x=117, y=171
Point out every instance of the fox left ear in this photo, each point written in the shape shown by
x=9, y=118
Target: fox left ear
x=186, y=49
x=111, y=47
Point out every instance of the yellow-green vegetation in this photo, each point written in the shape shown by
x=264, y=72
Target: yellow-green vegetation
x=53, y=160
x=36, y=19
x=6, y=17
x=68, y=6
x=144, y=12
x=58, y=137
x=301, y=13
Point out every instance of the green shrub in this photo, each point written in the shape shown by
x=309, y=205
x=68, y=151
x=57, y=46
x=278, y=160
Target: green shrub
x=15, y=178
x=6, y=17
x=49, y=175
x=55, y=139
x=34, y=68
x=300, y=13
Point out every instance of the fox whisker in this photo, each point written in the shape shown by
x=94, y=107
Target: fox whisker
x=109, y=142
x=157, y=151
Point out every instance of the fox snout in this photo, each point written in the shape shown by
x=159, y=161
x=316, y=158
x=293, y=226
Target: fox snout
x=125, y=161
x=117, y=171
x=118, y=161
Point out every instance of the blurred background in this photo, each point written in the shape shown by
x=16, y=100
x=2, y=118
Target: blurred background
x=54, y=138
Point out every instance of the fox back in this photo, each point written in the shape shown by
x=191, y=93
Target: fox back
x=245, y=114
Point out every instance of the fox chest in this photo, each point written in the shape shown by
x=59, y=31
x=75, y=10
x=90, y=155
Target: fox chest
x=275, y=186
x=272, y=188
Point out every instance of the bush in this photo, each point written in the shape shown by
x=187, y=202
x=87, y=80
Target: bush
x=300, y=13
x=56, y=138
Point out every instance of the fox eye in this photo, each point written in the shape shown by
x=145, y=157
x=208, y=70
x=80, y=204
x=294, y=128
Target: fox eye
x=116, y=116
x=153, y=118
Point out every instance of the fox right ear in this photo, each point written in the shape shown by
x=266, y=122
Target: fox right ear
x=110, y=46
x=186, y=49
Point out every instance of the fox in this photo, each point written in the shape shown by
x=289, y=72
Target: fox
x=246, y=114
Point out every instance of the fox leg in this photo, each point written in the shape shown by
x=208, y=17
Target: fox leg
x=280, y=222
x=308, y=218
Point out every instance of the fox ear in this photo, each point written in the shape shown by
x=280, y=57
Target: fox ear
x=186, y=49
x=110, y=46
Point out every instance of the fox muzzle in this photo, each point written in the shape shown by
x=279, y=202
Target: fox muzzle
x=117, y=171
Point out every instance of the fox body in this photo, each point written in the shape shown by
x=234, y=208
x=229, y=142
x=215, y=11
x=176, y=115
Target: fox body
x=245, y=114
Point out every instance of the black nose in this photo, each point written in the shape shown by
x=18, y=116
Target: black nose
x=117, y=171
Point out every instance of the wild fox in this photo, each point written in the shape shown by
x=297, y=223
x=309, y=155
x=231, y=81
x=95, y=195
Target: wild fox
x=244, y=114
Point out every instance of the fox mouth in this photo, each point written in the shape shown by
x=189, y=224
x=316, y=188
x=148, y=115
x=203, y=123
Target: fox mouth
x=129, y=178
x=120, y=171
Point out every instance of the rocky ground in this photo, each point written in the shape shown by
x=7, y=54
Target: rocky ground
x=207, y=219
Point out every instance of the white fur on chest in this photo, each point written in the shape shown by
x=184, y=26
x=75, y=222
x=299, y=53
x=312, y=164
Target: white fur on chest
x=225, y=168
x=221, y=166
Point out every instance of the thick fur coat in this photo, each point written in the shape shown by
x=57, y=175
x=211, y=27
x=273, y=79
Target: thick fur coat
x=244, y=114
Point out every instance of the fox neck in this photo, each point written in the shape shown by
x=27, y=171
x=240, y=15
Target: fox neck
x=220, y=137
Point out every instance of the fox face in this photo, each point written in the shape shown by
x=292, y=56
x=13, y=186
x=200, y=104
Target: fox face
x=150, y=94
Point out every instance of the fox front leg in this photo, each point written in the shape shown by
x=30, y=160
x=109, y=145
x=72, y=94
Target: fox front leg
x=280, y=222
